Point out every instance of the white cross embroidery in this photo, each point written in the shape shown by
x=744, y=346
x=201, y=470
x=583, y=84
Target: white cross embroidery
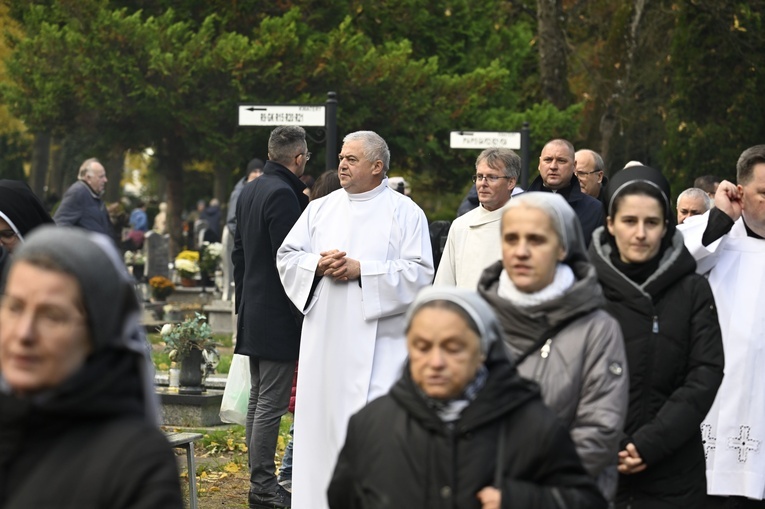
x=743, y=443
x=709, y=441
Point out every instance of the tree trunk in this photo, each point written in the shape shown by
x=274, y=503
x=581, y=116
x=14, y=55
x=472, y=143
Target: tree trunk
x=220, y=186
x=56, y=174
x=40, y=163
x=610, y=119
x=115, y=169
x=553, y=53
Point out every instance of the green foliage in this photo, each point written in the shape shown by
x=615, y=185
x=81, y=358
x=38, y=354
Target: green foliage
x=717, y=108
x=192, y=333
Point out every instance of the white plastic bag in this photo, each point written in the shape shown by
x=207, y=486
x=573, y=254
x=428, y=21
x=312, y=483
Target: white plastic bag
x=236, y=396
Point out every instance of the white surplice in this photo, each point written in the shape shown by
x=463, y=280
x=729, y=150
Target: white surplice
x=474, y=243
x=352, y=345
x=734, y=430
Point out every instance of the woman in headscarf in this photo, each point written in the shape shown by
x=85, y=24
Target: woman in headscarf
x=460, y=428
x=674, y=346
x=546, y=295
x=78, y=413
x=21, y=211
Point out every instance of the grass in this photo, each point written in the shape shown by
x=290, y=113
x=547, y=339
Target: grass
x=226, y=446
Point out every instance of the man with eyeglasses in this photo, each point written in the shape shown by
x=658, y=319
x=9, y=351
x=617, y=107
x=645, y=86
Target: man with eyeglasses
x=82, y=205
x=268, y=325
x=474, y=241
x=352, y=263
x=556, y=175
x=590, y=171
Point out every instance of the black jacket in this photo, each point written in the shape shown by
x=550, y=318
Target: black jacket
x=398, y=453
x=86, y=445
x=268, y=324
x=84, y=208
x=588, y=209
x=675, y=357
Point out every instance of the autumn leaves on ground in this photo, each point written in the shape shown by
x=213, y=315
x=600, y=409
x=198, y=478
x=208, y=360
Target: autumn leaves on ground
x=221, y=458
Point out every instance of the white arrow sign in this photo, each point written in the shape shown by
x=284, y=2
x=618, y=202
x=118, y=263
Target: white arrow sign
x=258, y=114
x=476, y=139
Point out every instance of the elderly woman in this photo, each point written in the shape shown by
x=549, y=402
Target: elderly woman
x=546, y=295
x=77, y=405
x=460, y=428
x=674, y=345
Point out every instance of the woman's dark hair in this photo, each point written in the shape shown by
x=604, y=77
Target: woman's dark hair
x=639, y=188
x=326, y=183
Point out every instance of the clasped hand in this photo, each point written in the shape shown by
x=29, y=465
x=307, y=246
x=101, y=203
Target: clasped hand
x=337, y=265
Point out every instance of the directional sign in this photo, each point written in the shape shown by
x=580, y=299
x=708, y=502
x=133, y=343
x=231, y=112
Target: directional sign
x=303, y=115
x=476, y=139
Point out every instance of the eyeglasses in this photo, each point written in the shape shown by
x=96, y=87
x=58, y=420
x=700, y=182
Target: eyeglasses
x=307, y=155
x=7, y=234
x=492, y=179
x=585, y=173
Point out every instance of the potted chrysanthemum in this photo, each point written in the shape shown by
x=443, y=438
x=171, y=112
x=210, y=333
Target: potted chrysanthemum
x=187, y=267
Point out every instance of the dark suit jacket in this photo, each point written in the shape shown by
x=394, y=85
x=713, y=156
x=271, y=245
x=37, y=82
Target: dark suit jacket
x=82, y=207
x=268, y=325
x=588, y=209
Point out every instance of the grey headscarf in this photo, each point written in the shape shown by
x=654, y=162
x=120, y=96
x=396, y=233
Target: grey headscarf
x=108, y=294
x=564, y=221
x=478, y=309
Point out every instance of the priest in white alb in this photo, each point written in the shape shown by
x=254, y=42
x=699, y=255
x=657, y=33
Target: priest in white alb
x=474, y=240
x=353, y=263
x=728, y=243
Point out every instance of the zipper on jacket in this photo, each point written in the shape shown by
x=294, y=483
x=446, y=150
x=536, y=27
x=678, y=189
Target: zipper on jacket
x=544, y=353
x=655, y=324
x=545, y=350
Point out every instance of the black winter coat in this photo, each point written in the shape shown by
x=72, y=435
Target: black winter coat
x=86, y=445
x=398, y=453
x=268, y=325
x=675, y=357
x=588, y=209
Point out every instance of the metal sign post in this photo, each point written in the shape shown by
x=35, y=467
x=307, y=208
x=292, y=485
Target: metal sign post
x=306, y=115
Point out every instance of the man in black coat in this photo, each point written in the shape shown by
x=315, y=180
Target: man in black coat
x=268, y=326
x=556, y=175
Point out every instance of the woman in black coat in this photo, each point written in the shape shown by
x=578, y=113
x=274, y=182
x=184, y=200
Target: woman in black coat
x=78, y=416
x=673, y=341
x=460, y=429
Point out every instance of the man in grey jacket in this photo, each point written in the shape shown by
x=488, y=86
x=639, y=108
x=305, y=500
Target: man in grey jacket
x=82, y=205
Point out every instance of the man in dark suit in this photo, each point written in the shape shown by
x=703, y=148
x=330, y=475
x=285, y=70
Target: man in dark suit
x=556, y=175
x=268, y=326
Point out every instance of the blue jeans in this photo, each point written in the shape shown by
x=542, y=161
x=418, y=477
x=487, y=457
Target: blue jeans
x=285, y=473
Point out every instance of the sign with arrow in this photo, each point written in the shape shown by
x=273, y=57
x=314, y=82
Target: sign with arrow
x=279, y=114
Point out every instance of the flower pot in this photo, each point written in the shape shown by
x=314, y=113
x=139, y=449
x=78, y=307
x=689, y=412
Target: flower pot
x=191, y=373
x=188, y=282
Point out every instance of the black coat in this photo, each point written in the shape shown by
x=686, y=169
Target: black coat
x=84, y=208
x=675, y=358
x=268, y=324
x=86, y=445
x=588, y=209
x=398, y=453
